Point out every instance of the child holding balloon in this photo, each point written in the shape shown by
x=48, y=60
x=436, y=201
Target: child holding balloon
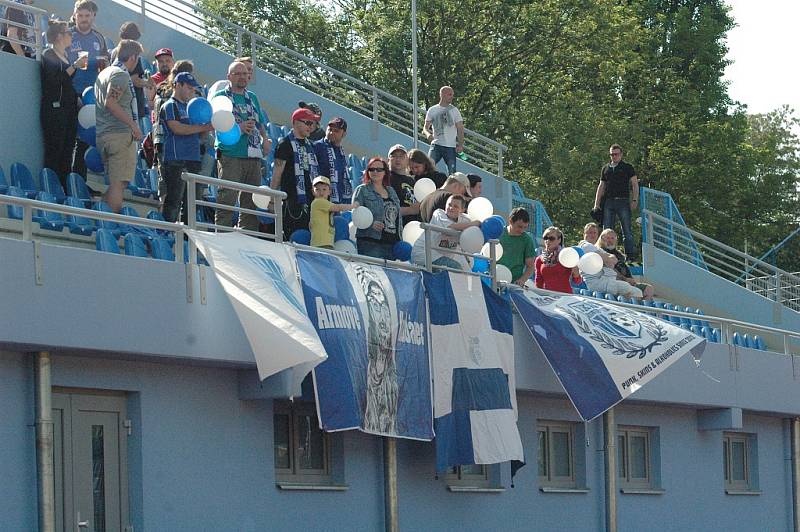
x=322, y=231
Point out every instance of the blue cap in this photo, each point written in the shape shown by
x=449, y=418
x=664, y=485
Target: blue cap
x=185, y=77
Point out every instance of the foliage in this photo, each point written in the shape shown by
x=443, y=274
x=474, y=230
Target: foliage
x=558, y=81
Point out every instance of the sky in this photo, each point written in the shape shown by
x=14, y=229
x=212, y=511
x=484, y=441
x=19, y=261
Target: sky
x=765, y=50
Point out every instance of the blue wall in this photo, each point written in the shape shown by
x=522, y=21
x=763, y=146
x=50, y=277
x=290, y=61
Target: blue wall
x=20, y=130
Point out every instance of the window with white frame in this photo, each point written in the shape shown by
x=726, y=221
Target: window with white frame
x=475, y=475
x=740, y=462
x=635, y=457
x=556, y=457
x=302, y=449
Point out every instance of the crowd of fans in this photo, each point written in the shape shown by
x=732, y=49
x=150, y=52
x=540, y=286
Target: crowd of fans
x=143, y=116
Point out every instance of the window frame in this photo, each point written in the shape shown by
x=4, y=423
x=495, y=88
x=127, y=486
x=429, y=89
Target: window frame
x=749, y=465
x=624, y=434
x=455, y=476
x=296, y=410
x=549, y=479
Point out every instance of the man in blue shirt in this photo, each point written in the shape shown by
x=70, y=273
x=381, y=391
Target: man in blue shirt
x=85, y=39
x=332, y=161
x=181, y=147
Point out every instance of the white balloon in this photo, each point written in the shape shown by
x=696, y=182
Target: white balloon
x=569, y=257
x=503, y=274
x=223, y=120
x=412, y=231
x=362, y=217
x=220, y=85
x=261, y=201
x=221, y=103
x=498, y=250
x=591, y=263
x=530, y=284
x=353, y=228
x=87, y=116
x=345, y=246
x=471, y=240
x=423, y=187
x=480, y=209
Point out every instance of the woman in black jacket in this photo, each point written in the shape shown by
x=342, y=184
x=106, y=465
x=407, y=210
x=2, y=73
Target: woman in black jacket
x=59, y=113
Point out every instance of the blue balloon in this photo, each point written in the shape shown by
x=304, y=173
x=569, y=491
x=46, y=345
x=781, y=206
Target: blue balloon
x=341, y=228
x=492, y=228
x=480, y=265
x=301, y=236
x=229, y=138
x=93, y=160
x=89, y=136
x=199, y=110
x=88, y=96
x=347, y=215
x=402, y=250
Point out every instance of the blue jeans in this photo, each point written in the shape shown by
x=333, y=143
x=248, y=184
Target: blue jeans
x=447, y=153
x=373, y=248
x=620, y=207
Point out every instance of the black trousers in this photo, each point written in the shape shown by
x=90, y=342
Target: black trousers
x=59, y=131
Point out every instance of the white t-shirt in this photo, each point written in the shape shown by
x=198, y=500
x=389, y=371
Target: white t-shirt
x=444, y=120
x=605, y=272
x=440, y=219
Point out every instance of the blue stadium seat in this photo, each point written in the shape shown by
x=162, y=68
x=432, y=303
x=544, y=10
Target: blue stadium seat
x=134, y=245
x=737, y=339
x=747, y=341
x=52, y=221
x=140, y=184
x=3, y=182
x=102, y=206
x=49, y=182
x=585, y=292
x=706, y=333
x=599, y=295
x=759, y=343
x=286, y=131
x=76, y=187
x=717, y=334
x=79, y=225
x=107, y=241
x=274, y=132
x=704, y=323
x=648, y=302
x=610, y=297
x=15, y=211
x=162, y=249
x=21, y=178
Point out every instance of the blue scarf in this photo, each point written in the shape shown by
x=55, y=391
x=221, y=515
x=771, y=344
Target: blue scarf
x=341, y=188
x=303, y=158
x=250, y=113
x=134, y=106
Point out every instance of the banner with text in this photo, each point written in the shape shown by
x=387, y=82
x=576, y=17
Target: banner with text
x=601, y=353
x=373, y=324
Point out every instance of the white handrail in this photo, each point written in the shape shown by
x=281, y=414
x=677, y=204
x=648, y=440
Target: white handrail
x=310, y=73
x=37, y=43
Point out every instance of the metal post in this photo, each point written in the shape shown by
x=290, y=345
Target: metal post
x=414, y=97
x=610, y=459
x=500, y=161
x=493, y=263
x=37, y=32
x=796, y=473
x=27, y=222
x=45, y=474
x=375, y=105
x=239, y=43
x=278, y=206
x=428, y=265
x=391, y=517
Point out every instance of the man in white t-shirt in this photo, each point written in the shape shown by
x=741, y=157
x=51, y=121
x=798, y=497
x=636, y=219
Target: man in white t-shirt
x=444, y=129
x=451, y=217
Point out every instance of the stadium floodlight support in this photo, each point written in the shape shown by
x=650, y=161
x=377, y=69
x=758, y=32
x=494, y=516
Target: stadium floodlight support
x=610, y=463
x=45, y=470
x=414, y=97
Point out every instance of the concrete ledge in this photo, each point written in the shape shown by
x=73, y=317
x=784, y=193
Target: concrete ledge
x=719, y=419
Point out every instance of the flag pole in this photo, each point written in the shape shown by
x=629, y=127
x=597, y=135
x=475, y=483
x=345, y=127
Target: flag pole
x=391, y=512
x=610, y=459
x=415, y=122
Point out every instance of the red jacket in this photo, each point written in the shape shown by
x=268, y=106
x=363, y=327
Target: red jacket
x=554, y=277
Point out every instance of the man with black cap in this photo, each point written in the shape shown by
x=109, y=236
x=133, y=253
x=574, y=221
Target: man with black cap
x=332, y=161
x=295, y=168
x=317, y=133
x=181, y=148
x=402, y=183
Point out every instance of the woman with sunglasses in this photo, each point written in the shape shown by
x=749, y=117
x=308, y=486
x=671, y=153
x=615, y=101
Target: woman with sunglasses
x=379, y=197
x=550, y=274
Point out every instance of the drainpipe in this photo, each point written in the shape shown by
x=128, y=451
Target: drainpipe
x=45, y=477
x=796, y=472
x=610, y=459
x=391, y=517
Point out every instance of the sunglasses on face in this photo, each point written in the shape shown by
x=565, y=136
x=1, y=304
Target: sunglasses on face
x=309, y=123
x=376, y=169
x=550, y=237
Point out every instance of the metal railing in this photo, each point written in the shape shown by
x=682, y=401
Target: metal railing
x=661, y=203
x=540, y=220
x=722, y=260
x=37, y=44
x=307, y=72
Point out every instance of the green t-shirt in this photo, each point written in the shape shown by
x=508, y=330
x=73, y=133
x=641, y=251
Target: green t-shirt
x=515, y=250
x=241, y=113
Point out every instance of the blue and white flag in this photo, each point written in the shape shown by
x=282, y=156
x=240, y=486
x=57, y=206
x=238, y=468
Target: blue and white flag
x=373, y=324
x=472, y=351
x=260, y=279
x=601, y=353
